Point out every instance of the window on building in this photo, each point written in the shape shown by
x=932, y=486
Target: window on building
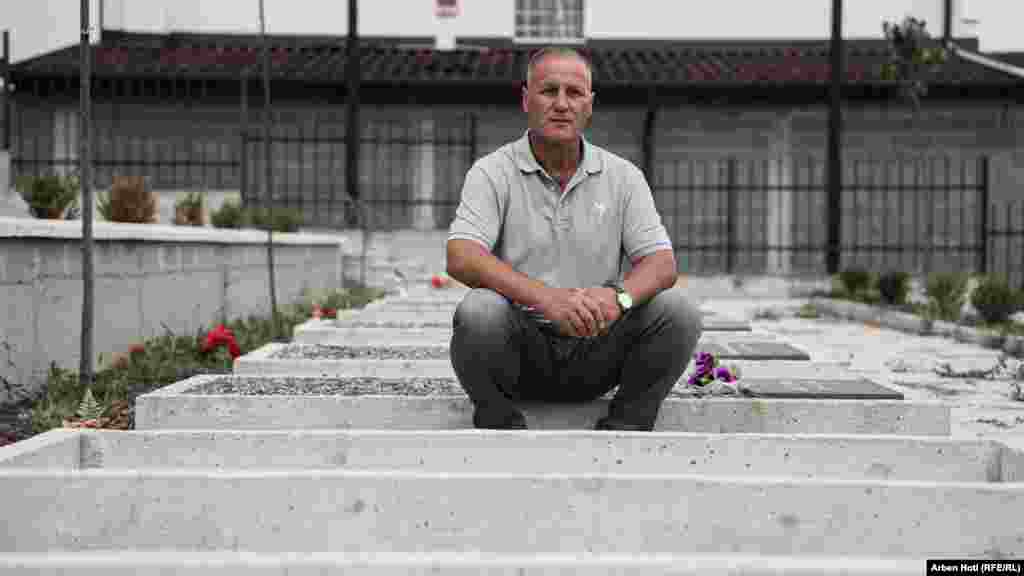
x=549, y=20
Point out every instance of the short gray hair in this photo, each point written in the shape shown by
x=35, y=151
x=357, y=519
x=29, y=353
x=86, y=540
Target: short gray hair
x=568, y=51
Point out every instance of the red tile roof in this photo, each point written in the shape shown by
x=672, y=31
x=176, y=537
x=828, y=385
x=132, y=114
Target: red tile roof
x=323, y=60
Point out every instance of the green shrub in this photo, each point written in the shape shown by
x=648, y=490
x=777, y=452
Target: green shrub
x=229, y=215
x=48, y=196
x=285, y=219
x=994, y=300
x=855, y=280
x=946, y=294
x=894, y=287
x=103, y=206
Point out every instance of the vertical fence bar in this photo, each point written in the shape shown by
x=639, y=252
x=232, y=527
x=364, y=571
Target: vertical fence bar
x=243, y=167
x=691, y=206
x=947, y=207
x=730, y=215
x=1019, y=235
x=648, y=137
x=303, y=139
x=316, y=169
x=472, y=138
x=983, y=213
x=1010, y=241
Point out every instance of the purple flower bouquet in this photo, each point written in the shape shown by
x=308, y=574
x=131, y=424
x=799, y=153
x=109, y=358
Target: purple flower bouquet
x=710, y=371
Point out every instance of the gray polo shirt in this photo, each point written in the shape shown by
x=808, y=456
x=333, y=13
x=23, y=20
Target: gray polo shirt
x=578, y=238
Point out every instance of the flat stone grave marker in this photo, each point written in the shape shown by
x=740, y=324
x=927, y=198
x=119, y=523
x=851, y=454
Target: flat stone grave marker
x=750, y=349
x=825, y=388
x=726, y=345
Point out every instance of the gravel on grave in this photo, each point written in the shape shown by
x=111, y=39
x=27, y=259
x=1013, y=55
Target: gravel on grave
x=349, y=386
x=324, y=352
x=392, y=324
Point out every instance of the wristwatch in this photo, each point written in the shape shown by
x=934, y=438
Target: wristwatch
x=621, y=296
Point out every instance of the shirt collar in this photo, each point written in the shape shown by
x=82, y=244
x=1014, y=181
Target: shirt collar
x=592, y=161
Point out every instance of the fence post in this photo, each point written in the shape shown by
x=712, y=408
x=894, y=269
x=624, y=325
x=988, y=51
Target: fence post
x=243, y=167
x=730, y=217
x=983, y=183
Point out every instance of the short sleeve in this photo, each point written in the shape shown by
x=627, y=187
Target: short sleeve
x=478, y=216
x=643, y=233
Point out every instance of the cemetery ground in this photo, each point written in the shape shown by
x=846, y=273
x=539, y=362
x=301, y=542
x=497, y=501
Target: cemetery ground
x=922, y=366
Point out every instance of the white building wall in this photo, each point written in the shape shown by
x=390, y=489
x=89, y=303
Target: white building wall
x=45, y=25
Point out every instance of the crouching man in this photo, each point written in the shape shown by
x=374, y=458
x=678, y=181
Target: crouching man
x=541, y=235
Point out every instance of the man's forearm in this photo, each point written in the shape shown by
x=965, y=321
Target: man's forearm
x=477, y=268
x=652, y=274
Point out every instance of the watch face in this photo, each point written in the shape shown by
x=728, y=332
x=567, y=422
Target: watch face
x=625, y=300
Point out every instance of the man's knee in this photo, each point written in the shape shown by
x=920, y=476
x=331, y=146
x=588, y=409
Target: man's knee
x=482, y=309
x=681, y=316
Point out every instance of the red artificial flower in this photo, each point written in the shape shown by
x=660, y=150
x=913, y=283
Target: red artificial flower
x=136, y=349
x=330, y=313
x=220, y=336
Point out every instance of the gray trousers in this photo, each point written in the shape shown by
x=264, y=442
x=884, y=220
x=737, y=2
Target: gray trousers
x=501, y=356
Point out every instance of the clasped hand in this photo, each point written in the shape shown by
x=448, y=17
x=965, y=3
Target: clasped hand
x=582, y=312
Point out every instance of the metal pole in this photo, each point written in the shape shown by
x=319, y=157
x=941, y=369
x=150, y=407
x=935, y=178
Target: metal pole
x=835, y=118
x=352, y=132
x=983, y=166
x=7, y=92
x=267, y=188
x=85, y=371
x=947, y=31
x=648, y=138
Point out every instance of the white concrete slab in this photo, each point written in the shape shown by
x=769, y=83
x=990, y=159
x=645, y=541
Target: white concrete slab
x=568, y=452
x=57, y=448
x=192, y=563
x=175, y=407
x=417, y=512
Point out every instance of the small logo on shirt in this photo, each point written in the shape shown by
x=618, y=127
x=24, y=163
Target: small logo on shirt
x=600, y=209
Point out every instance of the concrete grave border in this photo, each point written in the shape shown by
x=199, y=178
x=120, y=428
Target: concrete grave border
x=174, y=407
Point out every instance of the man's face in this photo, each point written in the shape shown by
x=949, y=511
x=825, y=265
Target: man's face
x=557, y=100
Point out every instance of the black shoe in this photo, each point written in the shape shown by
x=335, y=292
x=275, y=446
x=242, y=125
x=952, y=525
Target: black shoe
x=499, y=421
x=609, y=423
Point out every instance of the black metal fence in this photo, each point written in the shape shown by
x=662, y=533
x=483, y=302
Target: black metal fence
x=726, y=214
x=410, y=173
x=763, y=216
x=169, y=153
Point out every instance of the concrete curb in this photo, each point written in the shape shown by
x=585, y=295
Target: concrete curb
x=190, y=563
x=173, y=407
x=377, y=510
x=845, y=456
x=895, y=320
